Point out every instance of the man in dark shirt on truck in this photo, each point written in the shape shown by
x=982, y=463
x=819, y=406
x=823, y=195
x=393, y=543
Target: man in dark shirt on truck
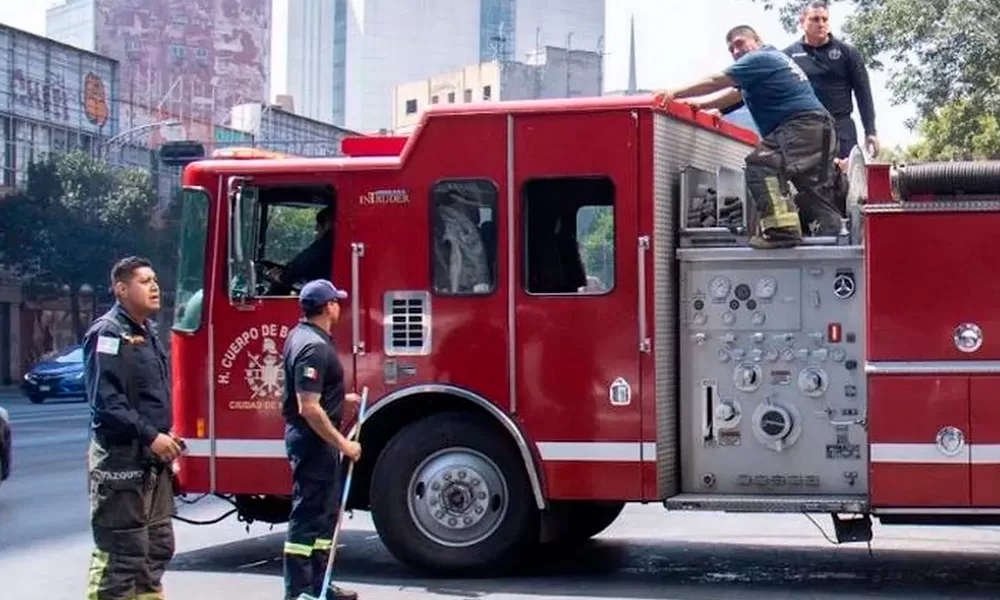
x=835, y=70
x=798, y=144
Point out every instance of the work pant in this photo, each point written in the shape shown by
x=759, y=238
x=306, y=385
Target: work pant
x=847, y=136
x=801, y=151
x=316, y=487
x=131, y=506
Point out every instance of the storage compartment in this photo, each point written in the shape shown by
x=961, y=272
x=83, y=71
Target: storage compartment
x=919, y=427
x=933, y=282
x=984, y=440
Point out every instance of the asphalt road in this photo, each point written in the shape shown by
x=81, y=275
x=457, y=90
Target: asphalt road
x=647, y=554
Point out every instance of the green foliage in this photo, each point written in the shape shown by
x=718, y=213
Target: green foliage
x=597, y=243
x=75, y=217
x=961, y=130
x=289, y=230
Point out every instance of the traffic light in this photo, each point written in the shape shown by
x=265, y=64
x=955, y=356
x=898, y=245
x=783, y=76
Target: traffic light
x=181, y=153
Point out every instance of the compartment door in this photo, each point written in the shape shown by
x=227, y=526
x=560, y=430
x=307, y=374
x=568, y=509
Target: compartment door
x=576, y=315
x=919, y=431
x=984, y=440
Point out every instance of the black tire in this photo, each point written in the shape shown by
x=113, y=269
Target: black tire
x=36, y=399
x=398, y=527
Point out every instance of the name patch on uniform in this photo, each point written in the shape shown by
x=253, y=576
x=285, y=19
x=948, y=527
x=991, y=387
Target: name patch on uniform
x=309, y=372
x=107, y=345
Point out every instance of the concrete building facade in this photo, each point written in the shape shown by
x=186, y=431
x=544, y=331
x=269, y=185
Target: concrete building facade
x=367, y=47
x=551, y=73
x=184, y=60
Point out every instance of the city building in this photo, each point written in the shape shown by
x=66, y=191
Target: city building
x=53, y=98
x=550, y=73
x=272, y=127
x=345, y=57
x=182, y=61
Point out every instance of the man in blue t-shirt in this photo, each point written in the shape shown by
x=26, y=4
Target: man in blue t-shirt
x=798, y=142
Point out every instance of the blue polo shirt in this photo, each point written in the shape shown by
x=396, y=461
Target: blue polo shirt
x=774, y=87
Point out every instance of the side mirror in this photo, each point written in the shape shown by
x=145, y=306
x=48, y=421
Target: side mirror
x=242, y=205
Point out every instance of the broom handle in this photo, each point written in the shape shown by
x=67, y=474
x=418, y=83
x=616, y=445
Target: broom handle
x=343, y=498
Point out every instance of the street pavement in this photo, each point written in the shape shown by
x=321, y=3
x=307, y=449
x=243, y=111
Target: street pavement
x=648, y=554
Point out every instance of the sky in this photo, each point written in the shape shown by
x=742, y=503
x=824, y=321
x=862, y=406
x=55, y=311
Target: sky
x=677, y=42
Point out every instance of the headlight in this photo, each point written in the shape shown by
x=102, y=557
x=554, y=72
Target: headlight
x=29, y=377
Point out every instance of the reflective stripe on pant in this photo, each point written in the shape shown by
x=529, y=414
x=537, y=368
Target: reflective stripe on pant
x=131, y=506
x=799, y=151
x=308, y=541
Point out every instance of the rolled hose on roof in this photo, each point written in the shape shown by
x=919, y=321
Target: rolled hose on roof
x=981, y=177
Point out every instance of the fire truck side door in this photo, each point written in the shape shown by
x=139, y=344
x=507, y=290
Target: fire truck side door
x=576, y=342
x=270, y=222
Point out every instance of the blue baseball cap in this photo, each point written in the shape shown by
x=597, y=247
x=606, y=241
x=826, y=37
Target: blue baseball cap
x=318, y=292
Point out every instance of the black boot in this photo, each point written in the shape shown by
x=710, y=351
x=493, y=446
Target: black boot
x=319, y=561
x=298, y=576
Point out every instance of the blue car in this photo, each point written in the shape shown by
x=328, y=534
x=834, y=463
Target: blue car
x=56, y=376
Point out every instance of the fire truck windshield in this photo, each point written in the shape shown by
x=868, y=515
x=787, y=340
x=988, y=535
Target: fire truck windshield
x=191, y=260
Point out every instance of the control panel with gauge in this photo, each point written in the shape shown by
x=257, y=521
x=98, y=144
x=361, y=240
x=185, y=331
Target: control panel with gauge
x=772, y=383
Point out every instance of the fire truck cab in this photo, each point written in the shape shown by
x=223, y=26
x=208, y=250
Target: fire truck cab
x=556, y=312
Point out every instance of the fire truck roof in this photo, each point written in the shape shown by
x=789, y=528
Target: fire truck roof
x=390, y=152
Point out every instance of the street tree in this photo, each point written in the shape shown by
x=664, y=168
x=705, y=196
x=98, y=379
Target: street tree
x=75, y=217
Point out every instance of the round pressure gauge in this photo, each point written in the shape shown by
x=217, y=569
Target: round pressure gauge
x=719, y=287
x=766, y=287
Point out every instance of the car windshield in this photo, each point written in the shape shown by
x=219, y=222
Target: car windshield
x=73, y=356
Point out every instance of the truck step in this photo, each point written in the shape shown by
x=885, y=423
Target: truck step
x=762, y=503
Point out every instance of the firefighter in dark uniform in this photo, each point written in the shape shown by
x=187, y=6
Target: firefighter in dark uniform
x=798, y=146
x=132, y=447
x=835, y=70
x=313, y=409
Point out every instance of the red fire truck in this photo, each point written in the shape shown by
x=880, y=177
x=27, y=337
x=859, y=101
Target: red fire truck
x=556, y=312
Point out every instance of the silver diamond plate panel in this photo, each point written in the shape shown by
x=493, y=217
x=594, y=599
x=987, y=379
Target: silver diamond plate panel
x=676, y=145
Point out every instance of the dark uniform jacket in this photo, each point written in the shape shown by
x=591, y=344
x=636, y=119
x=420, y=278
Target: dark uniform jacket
x=127, y=378
x=835, y=70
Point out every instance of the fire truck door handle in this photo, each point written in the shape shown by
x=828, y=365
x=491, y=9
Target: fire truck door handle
x=357, y=251
x=644, y=343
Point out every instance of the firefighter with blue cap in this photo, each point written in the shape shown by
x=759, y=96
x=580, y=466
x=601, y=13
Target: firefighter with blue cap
x=313, y=409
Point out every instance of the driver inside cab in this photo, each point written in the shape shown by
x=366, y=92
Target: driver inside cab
x=315, y=262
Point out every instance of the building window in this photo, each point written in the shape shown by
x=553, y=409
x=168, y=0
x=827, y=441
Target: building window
x=201, y=53
x=451, y=97
x=467, y=96
x=434, y=99
x=569, y=235
x=464, y=237
x=176, y=51
x=487, y=92
x=411, y=107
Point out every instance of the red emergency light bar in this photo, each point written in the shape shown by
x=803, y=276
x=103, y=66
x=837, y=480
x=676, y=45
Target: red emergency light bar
x=376, y=145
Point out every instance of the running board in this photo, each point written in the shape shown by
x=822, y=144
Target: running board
x=739, y=503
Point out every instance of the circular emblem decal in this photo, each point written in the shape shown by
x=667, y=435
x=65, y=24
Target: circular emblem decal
x=834, y=54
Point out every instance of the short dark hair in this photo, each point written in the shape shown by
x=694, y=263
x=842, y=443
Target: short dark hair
x=125, y=268
x=311, y=311
x=815, y=4
x=741, y=30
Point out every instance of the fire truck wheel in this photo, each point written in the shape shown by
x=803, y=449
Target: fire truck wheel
x=450, y=493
